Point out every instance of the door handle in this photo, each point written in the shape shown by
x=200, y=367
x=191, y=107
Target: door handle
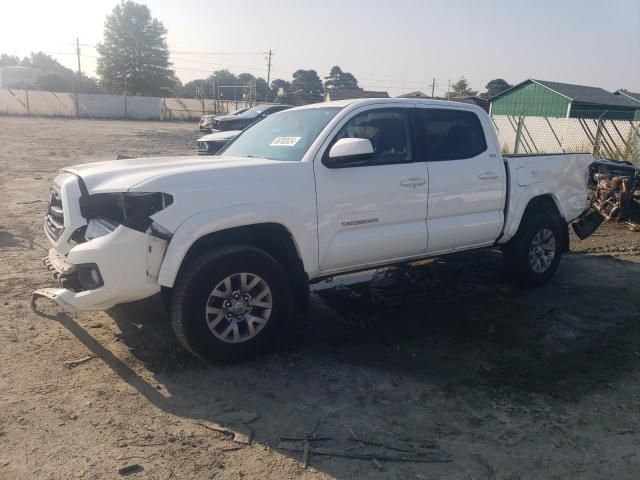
x=413, y=182
x=488, y=176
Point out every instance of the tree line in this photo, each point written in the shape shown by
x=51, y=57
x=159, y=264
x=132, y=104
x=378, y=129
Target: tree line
x=305, y=86
x=53, y=76
x=133, y=59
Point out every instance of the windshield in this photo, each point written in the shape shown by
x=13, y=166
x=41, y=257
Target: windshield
x=282, y=136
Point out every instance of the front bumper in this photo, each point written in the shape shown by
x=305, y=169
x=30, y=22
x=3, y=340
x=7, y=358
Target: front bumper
x=129, y=262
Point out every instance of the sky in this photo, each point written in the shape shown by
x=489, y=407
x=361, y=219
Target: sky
x=397, y=46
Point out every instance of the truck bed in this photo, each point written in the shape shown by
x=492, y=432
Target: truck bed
x=563, y=176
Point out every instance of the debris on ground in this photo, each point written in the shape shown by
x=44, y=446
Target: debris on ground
x=364, y=449
x=129, y=469
x=354, y=437
x=237, y=432
x=352, y=453
x=79, y=361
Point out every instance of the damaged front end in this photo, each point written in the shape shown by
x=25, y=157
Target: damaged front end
x=108, y=250
x=614, y=191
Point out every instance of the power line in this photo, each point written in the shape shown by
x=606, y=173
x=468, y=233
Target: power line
x=385, y=82
x=178, y=66
x=289, y=70
x=182, y=52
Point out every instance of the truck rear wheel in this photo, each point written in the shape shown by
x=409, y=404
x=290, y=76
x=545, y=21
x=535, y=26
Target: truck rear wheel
x=230, y=303
x=533, y=255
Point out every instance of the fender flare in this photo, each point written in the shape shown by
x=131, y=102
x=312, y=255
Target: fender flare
x=531, y=192
x=225, y=218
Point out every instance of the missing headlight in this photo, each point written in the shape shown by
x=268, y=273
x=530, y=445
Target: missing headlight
x=132, y=209
x=89, y=276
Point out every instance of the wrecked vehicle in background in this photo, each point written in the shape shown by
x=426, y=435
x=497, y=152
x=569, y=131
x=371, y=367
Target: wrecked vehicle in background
x=615, y=191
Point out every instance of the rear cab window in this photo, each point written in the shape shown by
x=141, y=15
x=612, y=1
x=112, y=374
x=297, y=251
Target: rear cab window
x=448, y=134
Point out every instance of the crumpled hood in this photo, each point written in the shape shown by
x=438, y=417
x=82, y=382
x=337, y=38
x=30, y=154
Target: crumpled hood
x=123, y=175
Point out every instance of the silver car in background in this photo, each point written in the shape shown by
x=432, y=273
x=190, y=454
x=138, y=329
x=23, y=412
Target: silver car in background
x=212, y=143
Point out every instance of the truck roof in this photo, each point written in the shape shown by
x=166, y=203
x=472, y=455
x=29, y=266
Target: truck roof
x=378, y=101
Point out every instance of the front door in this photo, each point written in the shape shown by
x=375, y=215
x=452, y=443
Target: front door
x=373, y=212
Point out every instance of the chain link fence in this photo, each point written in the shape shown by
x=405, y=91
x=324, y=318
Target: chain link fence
x=615, y=139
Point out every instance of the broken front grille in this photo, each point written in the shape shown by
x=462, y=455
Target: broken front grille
x=54, y=221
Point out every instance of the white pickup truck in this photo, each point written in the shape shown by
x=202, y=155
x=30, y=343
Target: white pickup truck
x=233, y=241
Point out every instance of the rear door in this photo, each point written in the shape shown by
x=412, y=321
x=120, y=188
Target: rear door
x=373, y=212
x=467, y=180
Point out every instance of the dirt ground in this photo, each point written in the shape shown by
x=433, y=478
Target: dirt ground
x=446, y=358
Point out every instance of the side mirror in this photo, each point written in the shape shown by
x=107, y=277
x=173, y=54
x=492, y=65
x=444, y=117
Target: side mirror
x=348, y=152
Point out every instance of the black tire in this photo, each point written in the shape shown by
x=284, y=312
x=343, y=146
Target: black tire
x=191, y=296
x=516, y=253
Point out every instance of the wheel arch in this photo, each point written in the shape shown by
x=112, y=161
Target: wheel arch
x=271, y=237
x=546, y=202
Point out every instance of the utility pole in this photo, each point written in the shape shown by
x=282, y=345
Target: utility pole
x=214, y=96
x=252, y=93
x=125, y=97
x=75, y=90
x=266, y=93
x=433, y=87
x=78, y=53
x=26, y=93
x=448, y=89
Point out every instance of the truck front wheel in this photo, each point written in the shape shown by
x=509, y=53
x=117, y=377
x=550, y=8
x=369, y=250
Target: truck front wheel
x=532, y=256
x=230, y=303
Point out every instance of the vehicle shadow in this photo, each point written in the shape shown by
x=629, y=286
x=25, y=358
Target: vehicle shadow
x=387, y=351
x=12, y=242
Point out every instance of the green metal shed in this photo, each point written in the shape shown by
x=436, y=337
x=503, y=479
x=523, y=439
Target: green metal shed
x=541, y=98
x=634, y=98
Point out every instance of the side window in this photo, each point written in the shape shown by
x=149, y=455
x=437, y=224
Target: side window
x=388, y=132
x=449, y=134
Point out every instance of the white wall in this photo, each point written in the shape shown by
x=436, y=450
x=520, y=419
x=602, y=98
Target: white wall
x=23, y=102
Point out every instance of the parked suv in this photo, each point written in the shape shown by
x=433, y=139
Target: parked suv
x=246, y=118
x=316, y=191
x=206, y=121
